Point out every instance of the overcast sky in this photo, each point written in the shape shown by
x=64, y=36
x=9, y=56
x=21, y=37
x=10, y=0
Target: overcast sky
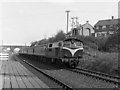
x=24, y=22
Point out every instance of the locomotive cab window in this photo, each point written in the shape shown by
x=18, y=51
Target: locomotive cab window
x=72, y=43
x=50, y=47
x=66, y=44
x=60, y=44
x=78, y=44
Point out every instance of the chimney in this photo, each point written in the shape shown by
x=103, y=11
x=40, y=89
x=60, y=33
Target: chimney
x=87, y=21
x=112, y=17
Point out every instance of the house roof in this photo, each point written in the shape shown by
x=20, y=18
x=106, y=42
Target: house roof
x=107, y=22
x=87, y=23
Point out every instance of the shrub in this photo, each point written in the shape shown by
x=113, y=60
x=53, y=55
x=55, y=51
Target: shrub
x=104, y=62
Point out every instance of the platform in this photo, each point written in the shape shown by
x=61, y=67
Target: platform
x=13, y=75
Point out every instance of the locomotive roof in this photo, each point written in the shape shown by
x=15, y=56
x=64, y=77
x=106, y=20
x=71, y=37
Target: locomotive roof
x=69, y=39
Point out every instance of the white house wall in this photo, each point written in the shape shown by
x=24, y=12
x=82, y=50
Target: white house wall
x=85, y=28
x=85, y=32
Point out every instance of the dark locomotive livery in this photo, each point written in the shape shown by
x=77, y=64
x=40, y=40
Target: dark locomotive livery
x=68, y=51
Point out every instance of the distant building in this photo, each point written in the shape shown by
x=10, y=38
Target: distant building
x=86, y=30
x=106, y=27
x=83, y=30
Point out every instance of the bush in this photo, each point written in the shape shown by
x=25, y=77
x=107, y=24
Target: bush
x=104, y=62
x=59, y=36
x=108, y=62
x=33, y=43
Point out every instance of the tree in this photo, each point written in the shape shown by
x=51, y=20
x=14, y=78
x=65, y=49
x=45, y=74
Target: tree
x=43, y=41
x=33, y=43
x=51, y=39
x=101, y=42
x=113, y=42
x=59, y=36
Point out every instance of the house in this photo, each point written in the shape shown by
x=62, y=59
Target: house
x=86, y=30
x=106, y=27
x=83, y=30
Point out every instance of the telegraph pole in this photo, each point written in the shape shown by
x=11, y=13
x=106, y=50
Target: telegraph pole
x=2, y=45
x=67, y=19
x=25, y=44
x=76, y=21
x=2, y=42
x=72, y=22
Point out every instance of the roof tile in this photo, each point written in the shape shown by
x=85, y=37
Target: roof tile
x=107, y=22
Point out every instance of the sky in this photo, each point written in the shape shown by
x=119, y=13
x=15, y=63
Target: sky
x=24, y=21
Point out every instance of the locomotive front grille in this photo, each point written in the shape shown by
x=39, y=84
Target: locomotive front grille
x=78, y=53
x=66, y=53
x=72, y=53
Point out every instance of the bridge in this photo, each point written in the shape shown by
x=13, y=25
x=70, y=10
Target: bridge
x=11, y=48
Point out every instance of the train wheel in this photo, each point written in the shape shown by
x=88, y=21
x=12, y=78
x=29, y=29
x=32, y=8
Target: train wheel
x=58, y=62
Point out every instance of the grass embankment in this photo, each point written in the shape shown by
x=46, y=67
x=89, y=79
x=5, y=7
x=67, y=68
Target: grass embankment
x=101, y=62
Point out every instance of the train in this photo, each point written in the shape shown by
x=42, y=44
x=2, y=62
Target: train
x=68, y=52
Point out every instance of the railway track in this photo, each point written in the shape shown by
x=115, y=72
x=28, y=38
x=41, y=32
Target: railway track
x=82, y=72
x=97, y=75
x=60, y=83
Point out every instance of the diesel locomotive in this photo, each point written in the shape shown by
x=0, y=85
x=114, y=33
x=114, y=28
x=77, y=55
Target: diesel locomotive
x=67, y=52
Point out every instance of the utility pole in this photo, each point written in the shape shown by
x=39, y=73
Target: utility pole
x=76, y=21
x=72, y=22
x=67, y=19
x=2, y=42
x=2, y=46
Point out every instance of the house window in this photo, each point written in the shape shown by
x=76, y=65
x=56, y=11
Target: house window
x=111, y=32
x=103, y=34
x=97, y=27
x=100, y=27
x=103, y=27
x=107, y=26
x=98, y=34
x=111, y=26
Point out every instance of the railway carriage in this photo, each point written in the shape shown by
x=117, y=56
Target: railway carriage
x=40, y=50
x=23, y=51
x=30, y=50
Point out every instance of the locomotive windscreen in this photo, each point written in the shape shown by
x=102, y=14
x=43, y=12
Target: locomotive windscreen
x=72, y=43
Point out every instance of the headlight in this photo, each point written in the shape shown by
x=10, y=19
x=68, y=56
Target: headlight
x=65, y=55
x=79, y=56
